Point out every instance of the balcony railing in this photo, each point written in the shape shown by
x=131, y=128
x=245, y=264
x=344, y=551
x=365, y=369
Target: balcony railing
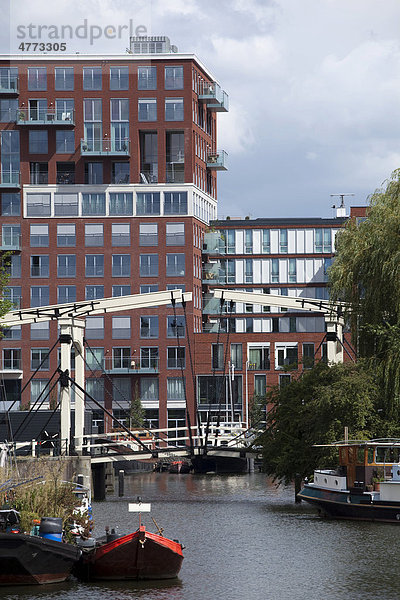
x=10, y=242
x=9, y=84
x=260, y=365
x=131, y=365
x=106, y=147
x=213, y=243
x=33, y=116
x=218, y=161
x=215, y=97
x=10, y=179
x=213, y=274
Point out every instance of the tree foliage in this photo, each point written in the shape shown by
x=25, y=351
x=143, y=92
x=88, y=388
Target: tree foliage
x=314, y=409
x=5, y=304
x=366, y=274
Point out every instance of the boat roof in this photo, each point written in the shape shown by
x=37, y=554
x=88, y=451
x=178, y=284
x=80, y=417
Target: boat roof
x=390, y=442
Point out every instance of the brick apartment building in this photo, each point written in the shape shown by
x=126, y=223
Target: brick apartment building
x=108, y=185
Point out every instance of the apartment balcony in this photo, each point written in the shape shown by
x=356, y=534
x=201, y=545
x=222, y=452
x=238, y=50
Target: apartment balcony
x=212, y=327
x=259, y=365
x=215, y=97
x=131, y=366
x=10, y=179
x=218, y=161
x=106, y=147
x=11, y=368
x=9, y=243
x=9, y=85
x=214, y=243
x=213, y=274
x=33, y=117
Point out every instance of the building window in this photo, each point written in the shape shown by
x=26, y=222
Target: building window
x=147, y=78
x=38, y=142
x=120, y=173
x=121, y=265
x=323, y=240
x=249, y=270
x=121, y=290
x=149, y=327
x=148, y=156
x=66, y=235
x=94, y=292
x=308, y=356
x=93, y=204
x=40, y=358
x=266, y=242
x=175, y=203
x=39, y=235
x=8, y=110
x=11, y=236
x=275, y=324
x=38, y=205
x=120, y=124
x=65, y=173
x=66, y=205
x=40, y=266
x=284, y=380
x=149, y=358
x=121, y=358
x=286, y=356
x=248, y=241
x=176, y=357
x=40, y=331
x=119, y=78
x=13, y=295
x=292, y=270
x=283, y=241
x=64, y=78
x=66, y=293
x=237, y=356
x=175, y=265
x=39, y=173
x=260, y=386
x=94, y=234
x=121, y=328
x=12, y=333
x=148, y=234
x=120, y=234
x=94, y=358
x=65, y=109
x=174, y=109
x=94, y=328
x=93, y=173
x=148, y=389
x=149, y=288
x=174, y=78
x=10, y=205
x=94, y=265
x=292, y=324
x=175, y=157
x=148, y=203
x=37, y=79
x=147, y=109
x=12, y=358
x=176, y=389
x=93, y=128
x=275, y=270
x=121, y=204
x=14, y=267
x=149, y=265
x=92, y=78
x=259, y=358
x=40, y=295
x=217, y=356
x=38, y=390
x=175, y=234
x=176, y=326
x=176, y=423
x=327, y=264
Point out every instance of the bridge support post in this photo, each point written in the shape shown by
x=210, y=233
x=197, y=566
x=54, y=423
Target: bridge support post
x=78, y=330
x=65, y=392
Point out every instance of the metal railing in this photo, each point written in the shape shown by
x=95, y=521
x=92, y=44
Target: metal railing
x=39, y=116
x=132, y=364
x=105, y=146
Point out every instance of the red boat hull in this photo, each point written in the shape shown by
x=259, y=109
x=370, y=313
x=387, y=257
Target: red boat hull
x=138, y=555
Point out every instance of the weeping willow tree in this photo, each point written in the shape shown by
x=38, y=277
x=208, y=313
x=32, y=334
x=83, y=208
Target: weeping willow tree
x=366, y=274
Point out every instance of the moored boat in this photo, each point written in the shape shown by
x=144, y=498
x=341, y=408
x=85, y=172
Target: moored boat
x=139, y=555
x=179, y=466
x=366, y=485
x=34, y=559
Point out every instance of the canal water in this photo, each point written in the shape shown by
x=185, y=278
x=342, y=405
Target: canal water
x=245, y=539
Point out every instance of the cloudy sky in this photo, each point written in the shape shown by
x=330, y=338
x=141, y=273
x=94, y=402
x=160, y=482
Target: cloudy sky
x=314, y=88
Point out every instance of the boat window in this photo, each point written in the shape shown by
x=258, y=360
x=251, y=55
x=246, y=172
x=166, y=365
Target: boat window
x=387, y=454
x=370, y=455
x=360, y=455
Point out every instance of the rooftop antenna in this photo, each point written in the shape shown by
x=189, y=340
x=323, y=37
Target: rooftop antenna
x=341, y=210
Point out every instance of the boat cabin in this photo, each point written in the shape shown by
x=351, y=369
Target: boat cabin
x=368, y=463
